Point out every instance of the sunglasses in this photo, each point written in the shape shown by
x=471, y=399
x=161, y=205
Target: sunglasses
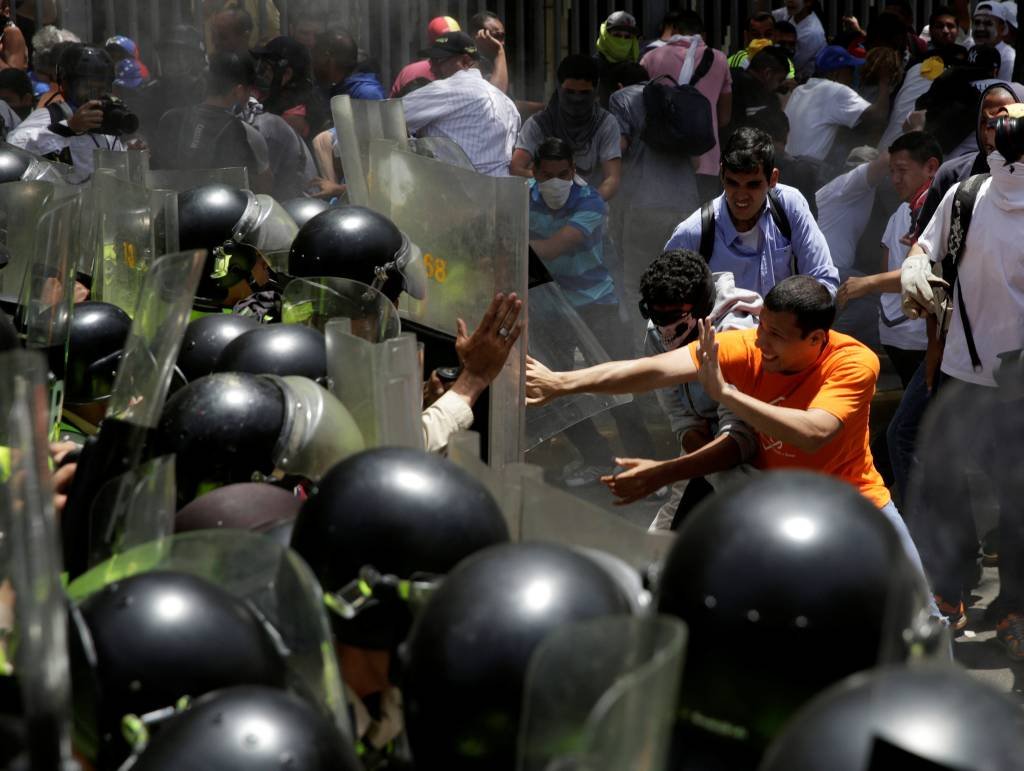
x=662, y=319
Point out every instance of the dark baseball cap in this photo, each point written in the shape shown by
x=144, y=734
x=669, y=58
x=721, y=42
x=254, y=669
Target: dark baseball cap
x=452, y=44
x=283, y=48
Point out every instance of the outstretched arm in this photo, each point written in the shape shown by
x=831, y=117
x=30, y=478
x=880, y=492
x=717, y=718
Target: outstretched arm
x=614, y=377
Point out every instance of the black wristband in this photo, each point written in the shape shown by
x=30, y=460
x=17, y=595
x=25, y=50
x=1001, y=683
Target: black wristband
x=61, y=130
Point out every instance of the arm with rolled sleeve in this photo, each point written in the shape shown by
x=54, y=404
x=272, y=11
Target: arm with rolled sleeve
x=812, y=255
x=448, y=415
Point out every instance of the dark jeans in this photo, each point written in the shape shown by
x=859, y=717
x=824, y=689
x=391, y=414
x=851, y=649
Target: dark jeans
x=975, y=436
x=603, y=321
x=901, y=435
x=905, y=362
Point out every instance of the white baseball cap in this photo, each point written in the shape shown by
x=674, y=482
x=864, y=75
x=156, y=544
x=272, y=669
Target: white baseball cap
x=994, y=9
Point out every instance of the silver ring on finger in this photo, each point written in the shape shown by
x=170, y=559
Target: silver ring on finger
x=503, y=332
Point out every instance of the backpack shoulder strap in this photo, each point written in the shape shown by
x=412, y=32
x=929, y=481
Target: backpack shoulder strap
x=781, y=220
x=705, y=65
x=960, y=222
x=707, y=230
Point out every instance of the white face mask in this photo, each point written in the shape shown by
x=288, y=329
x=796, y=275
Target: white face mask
x=674, y=335
x=555, y=192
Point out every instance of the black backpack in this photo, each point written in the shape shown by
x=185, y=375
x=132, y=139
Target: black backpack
x=678, y=120
x=960, y=224
x=707, y=228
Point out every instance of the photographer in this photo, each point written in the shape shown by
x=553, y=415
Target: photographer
x=974, y=281
x=85, y=117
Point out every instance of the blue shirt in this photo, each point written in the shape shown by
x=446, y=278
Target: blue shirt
x=762, y=267
x=360, y=85
x=581, y=273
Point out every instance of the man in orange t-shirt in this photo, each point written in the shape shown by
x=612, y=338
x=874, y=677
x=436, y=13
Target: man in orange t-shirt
x=805, y=389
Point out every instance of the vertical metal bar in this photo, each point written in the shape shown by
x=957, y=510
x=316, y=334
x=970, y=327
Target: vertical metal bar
x=595, y=25
x=558, y=31
x=154, y=19
x=734, y=26
x=521, y=42
x=384, y=7
x=463, y=16
x=574, y=27
x=540, y=49
x=133, y=20
x=282, y=6
x=502, y=12
x=629, y=6
x=108, y=18
x=364, y=21
x=716, y=25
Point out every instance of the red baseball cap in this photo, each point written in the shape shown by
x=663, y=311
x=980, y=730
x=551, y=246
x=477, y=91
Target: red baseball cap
x=441, y=25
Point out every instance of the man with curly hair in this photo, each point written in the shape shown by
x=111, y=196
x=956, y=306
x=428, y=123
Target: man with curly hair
x=677, y=289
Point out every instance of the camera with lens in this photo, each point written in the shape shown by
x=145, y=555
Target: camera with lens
x=1010, y=133
x=117, y=118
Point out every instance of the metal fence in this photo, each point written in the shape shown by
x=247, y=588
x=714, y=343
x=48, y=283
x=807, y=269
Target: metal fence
x=392, y=32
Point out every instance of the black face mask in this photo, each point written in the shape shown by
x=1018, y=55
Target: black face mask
x=577, y=105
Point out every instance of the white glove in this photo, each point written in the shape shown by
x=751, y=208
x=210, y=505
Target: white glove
x=921, y=289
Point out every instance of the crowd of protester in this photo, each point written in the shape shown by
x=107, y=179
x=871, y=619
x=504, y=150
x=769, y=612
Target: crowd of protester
x=765, y=238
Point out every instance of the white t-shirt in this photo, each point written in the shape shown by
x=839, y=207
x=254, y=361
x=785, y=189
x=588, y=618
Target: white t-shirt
x=914, y=84
x=1007, y=56
x=844, y=208
x=991, y=277
x=894, y=328
x=816, y=110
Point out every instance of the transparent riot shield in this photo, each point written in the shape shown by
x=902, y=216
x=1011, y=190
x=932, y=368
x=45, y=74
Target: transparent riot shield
x=559, y=338
x=381, y=384
x=138, y=394
x=474, y=233
x=550, y=514
x=315, y=301
x=912, y=717
x=358, y=122
x=600, y=696
x=161, y=315
x=125, y=245
x=268, y=576
x=180, y=180
x=33, y=634
x=21, y=206
x=132, y=509
x=48, y=292
x=127, y=165
x=441, y=149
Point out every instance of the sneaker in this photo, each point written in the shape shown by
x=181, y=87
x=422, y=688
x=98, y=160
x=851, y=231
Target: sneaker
x=587, y=475
x=956, y=613
x=1010, y=632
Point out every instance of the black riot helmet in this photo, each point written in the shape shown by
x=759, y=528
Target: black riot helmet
x=253, y=728
x=253, y=506
x=242, y=232
x=141, y=643
x=926, y=717
x=236, y=427
x=767, y=576
x=98, y=334
x=399, y=512
x=85, y=72
x=358, y=243
x=277, y=349
x=467, y=657
x=223, y=428
x=303, y=210
x=206, y=337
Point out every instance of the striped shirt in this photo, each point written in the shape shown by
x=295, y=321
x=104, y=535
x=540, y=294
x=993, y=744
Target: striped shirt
x=471, y=112
x=581, y=274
